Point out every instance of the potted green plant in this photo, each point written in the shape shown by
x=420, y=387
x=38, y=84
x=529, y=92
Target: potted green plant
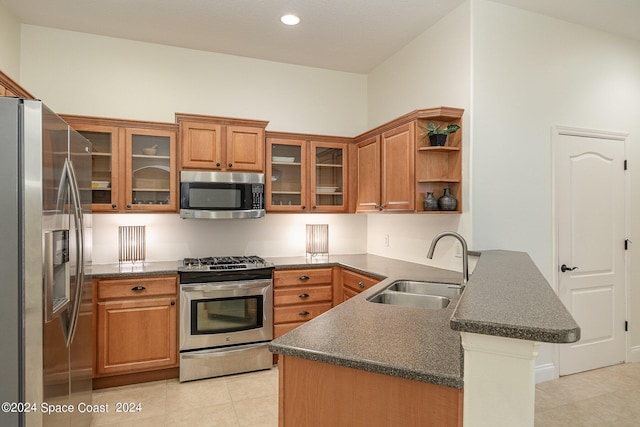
x=437, y=135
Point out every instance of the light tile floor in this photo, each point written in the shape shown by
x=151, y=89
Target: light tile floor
x=602, y=397
x=240, y=400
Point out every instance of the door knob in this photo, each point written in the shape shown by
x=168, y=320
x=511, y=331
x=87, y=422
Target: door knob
x=564, y=268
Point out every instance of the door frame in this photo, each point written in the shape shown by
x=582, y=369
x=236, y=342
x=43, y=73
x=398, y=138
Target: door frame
x=556, y=132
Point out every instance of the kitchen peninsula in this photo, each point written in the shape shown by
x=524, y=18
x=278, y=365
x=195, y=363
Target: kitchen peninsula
x=352, y=362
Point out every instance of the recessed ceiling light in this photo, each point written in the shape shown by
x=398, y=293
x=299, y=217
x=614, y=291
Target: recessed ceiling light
x=290, y=19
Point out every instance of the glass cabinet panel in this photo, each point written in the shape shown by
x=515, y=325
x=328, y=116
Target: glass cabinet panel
x=329, y=170
x=104, y=162
x=286, y=177
x=151, y=170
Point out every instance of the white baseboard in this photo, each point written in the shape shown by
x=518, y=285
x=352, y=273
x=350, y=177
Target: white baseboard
x=634, y=354
x=548, y=372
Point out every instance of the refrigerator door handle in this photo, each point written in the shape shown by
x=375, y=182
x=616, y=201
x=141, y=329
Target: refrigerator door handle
x=79, y=229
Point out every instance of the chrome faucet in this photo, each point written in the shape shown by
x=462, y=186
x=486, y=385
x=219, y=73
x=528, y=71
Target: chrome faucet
x=465, y=253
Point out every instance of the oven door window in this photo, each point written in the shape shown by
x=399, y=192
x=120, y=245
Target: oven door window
x=221, y=315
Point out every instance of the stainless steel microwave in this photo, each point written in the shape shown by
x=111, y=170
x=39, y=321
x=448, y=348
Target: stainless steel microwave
x=205, y=194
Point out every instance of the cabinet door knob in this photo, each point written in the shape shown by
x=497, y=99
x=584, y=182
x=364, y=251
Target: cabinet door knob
x=304, y=207
x=114, y=206
x=303, y=277
x=304, y=295
x=218, y=164
x=138, y=288
x=230, y=165
x=314, y=207
x=376, y=206
x=361, y=284
x=382, y=207
x=303, y=313
x=128, y=206
x=173, y=303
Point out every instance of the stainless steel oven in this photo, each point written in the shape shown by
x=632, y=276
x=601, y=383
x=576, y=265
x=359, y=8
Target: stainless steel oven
x=226, y=316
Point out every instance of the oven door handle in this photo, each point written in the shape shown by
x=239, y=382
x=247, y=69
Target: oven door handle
x=219, y=351
x=224, y=286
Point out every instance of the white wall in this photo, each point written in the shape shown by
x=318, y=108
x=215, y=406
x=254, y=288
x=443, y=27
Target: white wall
x=432, y=70
x=85, y=74
x=531, y=72
x=77, y=73
x=9, y=44
x=171, y=238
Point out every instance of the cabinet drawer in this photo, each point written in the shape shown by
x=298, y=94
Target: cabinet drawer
x=136, y=287
x=299, y=313
x=356, y=281
x=307, y=294
x=283, y=328
x=309, y=276
x=348, y=293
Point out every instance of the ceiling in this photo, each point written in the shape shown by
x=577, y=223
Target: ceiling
x=345, y=35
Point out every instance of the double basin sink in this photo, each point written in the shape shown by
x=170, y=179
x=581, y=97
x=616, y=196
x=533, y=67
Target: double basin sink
x=419, y=294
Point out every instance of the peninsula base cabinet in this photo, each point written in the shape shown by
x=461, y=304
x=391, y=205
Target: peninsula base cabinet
x=136, y=329
x=319, y=394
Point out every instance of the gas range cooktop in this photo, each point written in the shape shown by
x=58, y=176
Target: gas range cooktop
x=224, y=263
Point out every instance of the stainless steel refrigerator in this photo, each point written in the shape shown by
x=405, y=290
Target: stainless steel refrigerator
x=46, y=351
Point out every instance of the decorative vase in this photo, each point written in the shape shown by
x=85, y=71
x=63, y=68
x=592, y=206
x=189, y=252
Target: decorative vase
x=438, y=139
x=430, y=202
x=447, y=202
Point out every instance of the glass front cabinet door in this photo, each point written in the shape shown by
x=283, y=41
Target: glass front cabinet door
x=150, y=163
x=104, y=161
x=286, y=188
x=328, y=179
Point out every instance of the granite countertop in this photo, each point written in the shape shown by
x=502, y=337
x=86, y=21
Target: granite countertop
x=506, y=296
x=407, y=342
x=133, y=269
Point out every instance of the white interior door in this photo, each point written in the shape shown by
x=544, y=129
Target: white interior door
x=590, y=202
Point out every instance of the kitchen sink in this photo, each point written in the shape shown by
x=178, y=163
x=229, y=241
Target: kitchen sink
x=426, y=288
x=411, y=300
x=420, y=294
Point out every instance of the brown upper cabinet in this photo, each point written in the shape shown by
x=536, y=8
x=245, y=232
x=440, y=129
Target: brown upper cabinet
x=219, y=143
x=8, y=87
x=134, y=164
x=306, y=173
x=396, y=167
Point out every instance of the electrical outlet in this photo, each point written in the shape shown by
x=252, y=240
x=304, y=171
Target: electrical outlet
x=458, y=250
x=386, y=240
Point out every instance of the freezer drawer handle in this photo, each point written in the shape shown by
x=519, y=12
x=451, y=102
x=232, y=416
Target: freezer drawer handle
x=138, y=288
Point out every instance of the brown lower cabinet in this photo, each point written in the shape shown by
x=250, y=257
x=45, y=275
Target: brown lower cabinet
x=136, y=329
x=299, y=295
x=353, y=283
x=319, y=394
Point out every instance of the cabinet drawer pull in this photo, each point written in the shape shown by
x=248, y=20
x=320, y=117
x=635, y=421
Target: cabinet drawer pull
x=304, y=278
x=138, y=288
x=361, y=284
x=304, y=295
x=303, y=313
